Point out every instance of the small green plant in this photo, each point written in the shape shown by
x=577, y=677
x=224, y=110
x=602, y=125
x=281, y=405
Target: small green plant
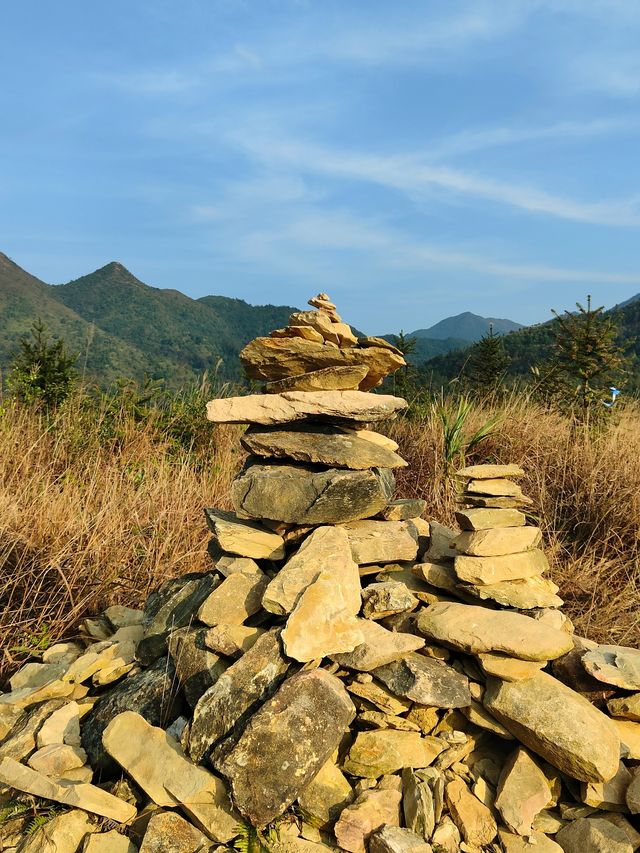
x=34, y=642
x=456, y=443
x=42, y=819
x=248, y=839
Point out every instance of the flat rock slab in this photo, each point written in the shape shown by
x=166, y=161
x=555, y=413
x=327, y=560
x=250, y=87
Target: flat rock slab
x=617, y=665
x=386, y=599
x=291, y=406
x=474, y=820
x=109, y=842
x=326, y=549
x=382, y=751
x=327, y=379
x=594, y=835
x=537, y=842
x=522, y=594
x=156, y=762
x=498, y=487
x=378, y=647
x=557, y=724
x=374, y=541
x=490, y=472
x=627, y=707
x=304, y=495
x=63, y=833
x=151, y=693
x=237, y=693
x=490, y=570
x=320, y=445
x=426, y=681
x=396, y=839
x=286, y=743
x=486, y=519
x=477, y=629
x=88, y=797
x=236, y=599
x=244, y=538
x=498, y=541
x=270, y=359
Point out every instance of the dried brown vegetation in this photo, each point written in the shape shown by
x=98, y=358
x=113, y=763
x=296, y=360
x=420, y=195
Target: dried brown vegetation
x=90, y=516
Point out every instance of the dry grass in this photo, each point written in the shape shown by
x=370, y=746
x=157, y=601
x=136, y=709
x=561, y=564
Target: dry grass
x=86, y=521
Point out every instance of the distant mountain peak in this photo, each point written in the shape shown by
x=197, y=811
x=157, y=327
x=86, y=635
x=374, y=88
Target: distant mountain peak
x=467, y=327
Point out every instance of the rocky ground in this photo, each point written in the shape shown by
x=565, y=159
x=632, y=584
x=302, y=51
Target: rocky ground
x=347, y=675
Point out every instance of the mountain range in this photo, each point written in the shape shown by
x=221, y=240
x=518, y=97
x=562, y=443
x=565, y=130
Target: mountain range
x=122, y=327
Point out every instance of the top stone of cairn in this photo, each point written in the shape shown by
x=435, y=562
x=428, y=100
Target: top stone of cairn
x=318, y=352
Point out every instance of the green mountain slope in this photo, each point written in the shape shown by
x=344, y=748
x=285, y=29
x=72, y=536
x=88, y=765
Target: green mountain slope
x=533, y=345
x=467, y=327
x=23, y=298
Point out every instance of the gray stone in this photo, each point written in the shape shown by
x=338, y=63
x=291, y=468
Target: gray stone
x=317, y=444
x=376, y=753
x=171, y=606
x=617, y=665
x=167, y=832
x=151, y=693
x=385, y=599
x=237, y=693
x=20, y=741
x=304, y=495
x=236, y=599
x=404, y=509
x=557, y=724
x=326, y=796
x=395, y=839
x=426, y=681
x=197, y=667
x=285, y=744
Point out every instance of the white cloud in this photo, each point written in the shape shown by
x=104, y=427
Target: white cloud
x=411, y=175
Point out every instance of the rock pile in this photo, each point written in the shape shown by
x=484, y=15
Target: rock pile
x=346, y=676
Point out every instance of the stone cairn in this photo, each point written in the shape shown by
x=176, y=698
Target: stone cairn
x=346, y=676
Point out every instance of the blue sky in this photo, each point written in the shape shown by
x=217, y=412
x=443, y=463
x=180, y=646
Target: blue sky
x=414, y=159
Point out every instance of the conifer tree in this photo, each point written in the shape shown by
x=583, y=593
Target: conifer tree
x=43, y=369
x=402, y=378
x=488, y=362
x=587, y=352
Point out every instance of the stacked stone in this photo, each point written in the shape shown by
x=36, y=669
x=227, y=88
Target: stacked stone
x=339, y=679
x=498, y=554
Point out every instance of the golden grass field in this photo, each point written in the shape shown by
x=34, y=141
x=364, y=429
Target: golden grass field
x=91, y=515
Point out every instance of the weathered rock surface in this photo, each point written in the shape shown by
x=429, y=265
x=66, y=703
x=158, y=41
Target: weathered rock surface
x=291, y=406
x=493, y=487
x=286, y=743
x=425, y=681
x=62, y=726
x=169, y=607
x=236, y=599
x=196, y=666
x=395, y=839
x=320, y=444
x=617, y=665
x=326, y=549
x=322, y=623
x=372, y=810
x=231, y=640
x=627, y=707
x=325, y=797
x=62, y=834
x=509, y=669
x=632, y=794
x=404, y=509
x=498, y=541
x=534, y=843
x=57, y=758
x=110, y=842
x=477, y=629
x=151, y=693
x=375, y=753
x=609, y=796
x=489, y=472
x=278, y=358
x=304, y=495
x=374, y=541
x=523, y=791
x=20, y=740
x=378, y=647
x=491, y=570
x=244, y=538
x=167, y=832
x=557, y=724
x=386, y=599
x=327, y=379
x=486, y=519
x=237, y=694
x=594, y=835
